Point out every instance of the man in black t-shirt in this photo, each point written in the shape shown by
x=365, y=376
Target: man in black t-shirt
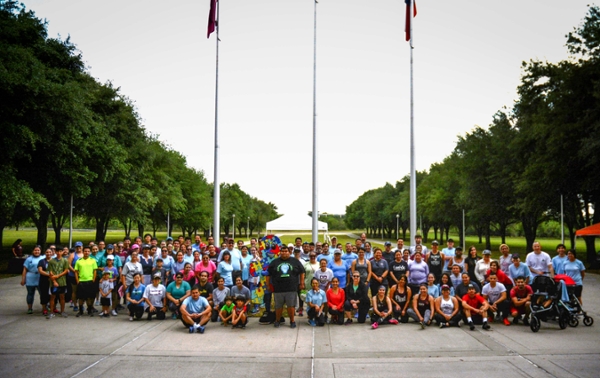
x=286, y=275
x=205, y=287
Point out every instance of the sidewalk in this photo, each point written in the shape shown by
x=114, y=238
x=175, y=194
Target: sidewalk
x=31, y=346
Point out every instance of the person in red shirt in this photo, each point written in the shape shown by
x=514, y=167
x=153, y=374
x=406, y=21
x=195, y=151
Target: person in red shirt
x=503, y=278
x=475, y=308
x=520, y=300
x=336, y=298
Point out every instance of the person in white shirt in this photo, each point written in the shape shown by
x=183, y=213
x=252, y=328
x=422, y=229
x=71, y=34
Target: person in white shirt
x=539, y=262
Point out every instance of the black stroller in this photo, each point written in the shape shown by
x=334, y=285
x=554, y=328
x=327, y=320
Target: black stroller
x=547, y=304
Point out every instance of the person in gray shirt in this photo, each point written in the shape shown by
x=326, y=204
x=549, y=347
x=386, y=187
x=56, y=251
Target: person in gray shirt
x=155, y=296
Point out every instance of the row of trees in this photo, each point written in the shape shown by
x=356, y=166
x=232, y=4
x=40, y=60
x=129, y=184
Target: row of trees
x=65, y=135
x=516, y=170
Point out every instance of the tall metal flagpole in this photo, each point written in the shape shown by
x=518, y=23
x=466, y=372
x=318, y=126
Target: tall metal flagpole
x=413, y=175
x=315, y=206
x=217, y=188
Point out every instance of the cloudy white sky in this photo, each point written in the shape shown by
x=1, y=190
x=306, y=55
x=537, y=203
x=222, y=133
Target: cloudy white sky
x=467, y=63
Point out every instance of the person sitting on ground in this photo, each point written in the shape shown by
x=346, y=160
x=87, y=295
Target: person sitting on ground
x=239, y=290
x=226, y=312
x=520, y=298
x=177, y=292
x=155, y=296
x=357, y=299
x=315, y=302
x=195, y=312
x=463, y=288
x=474, y=308
x=239, y=317
x=495, y=293
x=422, y=307
x=400, y=295
x=135, y=297
x=336, y=298
x=382, y=309
x=447, y=312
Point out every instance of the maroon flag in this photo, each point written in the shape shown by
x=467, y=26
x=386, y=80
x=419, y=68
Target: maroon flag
x=407, y=27
x=212, y=18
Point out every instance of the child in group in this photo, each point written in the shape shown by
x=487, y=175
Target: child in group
x=159, y=269
x=239, y=318
x=226, y=312
x=114, y=278
x=106, y=287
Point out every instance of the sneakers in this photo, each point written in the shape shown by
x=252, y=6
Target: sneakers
x=422, y=325
x=486, y=326
x=348, y=322
x=191, y=329
x=393, y=321
x=292, y=324
x=174, y=316
x=200, y=329
x=102, y=315
x=45, y=312
x=80, y=313
x=64, y=315
x=516, y=320
x=526, y=320
x=471, y=326
x=312, y=323
x=29, y=312
x=131, y=318
x=374, y=325
x=443, y=325
x=276, y=324
x=490, y=319
x=113, y=313
x=50, y=316
x=75, y=308
x=300, y=312
x=506, y=322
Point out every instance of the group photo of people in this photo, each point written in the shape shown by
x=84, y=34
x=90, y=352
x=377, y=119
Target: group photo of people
x=201, y=284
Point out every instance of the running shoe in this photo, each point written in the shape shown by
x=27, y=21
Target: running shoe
x=191, y=329
x=276, y=324
x=486, y=326
x=45, y=312
x=526, y=320
x=300, y=312
x=312, y=323
x=50, y=316
x=515, y=320
x=393, y=321
x=113, y=313
x=64, y=315
x=292, y=324
x=471, y=326
x=348, y=322
x=374, y=325
x=29, y=312
x=174, y=316
x=200, y=329
x=422, y=325
x=79, y=314
x=131, y=318
x=506, y=321
x=75, y=308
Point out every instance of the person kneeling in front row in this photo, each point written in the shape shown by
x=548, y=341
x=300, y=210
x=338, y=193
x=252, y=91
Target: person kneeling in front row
x=195, y=311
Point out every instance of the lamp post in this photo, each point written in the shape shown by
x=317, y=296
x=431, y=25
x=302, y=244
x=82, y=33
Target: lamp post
x=397, y=224
x=247, y=226
x=233, y=232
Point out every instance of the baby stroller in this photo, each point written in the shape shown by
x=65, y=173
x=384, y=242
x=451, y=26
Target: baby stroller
x=573, y=302
x=547, y=303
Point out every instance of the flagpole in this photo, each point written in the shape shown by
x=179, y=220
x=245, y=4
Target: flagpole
x=315, y=207
x=413, y=174
x=217, y=185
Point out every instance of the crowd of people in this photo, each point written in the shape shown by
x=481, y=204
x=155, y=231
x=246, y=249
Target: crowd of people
x=199, y=283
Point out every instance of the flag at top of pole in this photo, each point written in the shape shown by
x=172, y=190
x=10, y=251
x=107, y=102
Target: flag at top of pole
x=408, y=18
x=212, y=18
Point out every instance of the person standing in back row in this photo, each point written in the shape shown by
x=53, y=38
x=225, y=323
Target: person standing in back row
x=285, y=274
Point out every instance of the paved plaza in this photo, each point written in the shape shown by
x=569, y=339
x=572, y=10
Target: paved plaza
x=32, y=346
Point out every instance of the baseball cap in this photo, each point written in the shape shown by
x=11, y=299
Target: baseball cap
x=470, y=286
x=445, y=287
x=146, y=246
x=337, y=250
x=169, y=238
x=78, y=244
x=487, y=252
x=157, y=275
x=135, y=246
x=106, y=272
x=387, y=243
x=515, y=255
x=110, y=257
x=290, y=245
x=110, y=246
x=435, y=242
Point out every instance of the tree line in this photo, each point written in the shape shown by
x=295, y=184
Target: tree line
x=516, y=170
x=65, y=135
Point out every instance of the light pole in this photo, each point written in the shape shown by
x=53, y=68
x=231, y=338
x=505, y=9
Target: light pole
x=247, y=226
x=397, y=224
x=233, y=232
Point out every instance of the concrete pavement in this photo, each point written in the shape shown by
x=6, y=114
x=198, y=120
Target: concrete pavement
x=32, y=346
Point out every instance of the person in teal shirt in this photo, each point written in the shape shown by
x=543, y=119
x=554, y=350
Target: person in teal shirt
x=177, y=292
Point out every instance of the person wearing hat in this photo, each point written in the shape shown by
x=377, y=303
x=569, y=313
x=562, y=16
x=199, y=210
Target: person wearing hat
x=333, y=245
x=114, y=278
x=447, y=312
x=155, y=296
x=105, y=288
x=483, y=266
x=462, y=289
x=518, y=269
x=387, y=253
x=339, y=268
x=475, y=308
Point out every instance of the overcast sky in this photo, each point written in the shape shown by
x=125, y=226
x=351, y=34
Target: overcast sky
x=467, y=64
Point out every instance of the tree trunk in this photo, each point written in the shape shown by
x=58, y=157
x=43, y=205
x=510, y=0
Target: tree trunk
x=140, y=229
x=41, y=223
x=488, y=234
x=591, y=256
x=58, y=222
x=101, y=226
x=530, y=224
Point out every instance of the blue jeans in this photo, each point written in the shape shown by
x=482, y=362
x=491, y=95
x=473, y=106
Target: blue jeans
x=31, y=293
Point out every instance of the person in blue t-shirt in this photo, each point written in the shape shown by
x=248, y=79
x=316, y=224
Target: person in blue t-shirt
x=576, y=270
x=195, y=311
x=559, y=259
x=31, y=277
x=135, y=297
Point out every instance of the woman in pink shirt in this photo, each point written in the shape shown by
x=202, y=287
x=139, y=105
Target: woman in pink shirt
x=205, y=266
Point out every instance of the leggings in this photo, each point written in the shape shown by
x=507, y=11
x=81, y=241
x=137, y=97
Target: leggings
x=453, y=320
x=135, y=310
x=31, y=293
x=362, y=311
x=413, y=315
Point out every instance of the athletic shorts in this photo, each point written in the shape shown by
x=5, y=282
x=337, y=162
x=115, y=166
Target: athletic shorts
x=289, y=298
x=577, y=290
x=86, y=290
x=105, y=301
x=58, y=290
